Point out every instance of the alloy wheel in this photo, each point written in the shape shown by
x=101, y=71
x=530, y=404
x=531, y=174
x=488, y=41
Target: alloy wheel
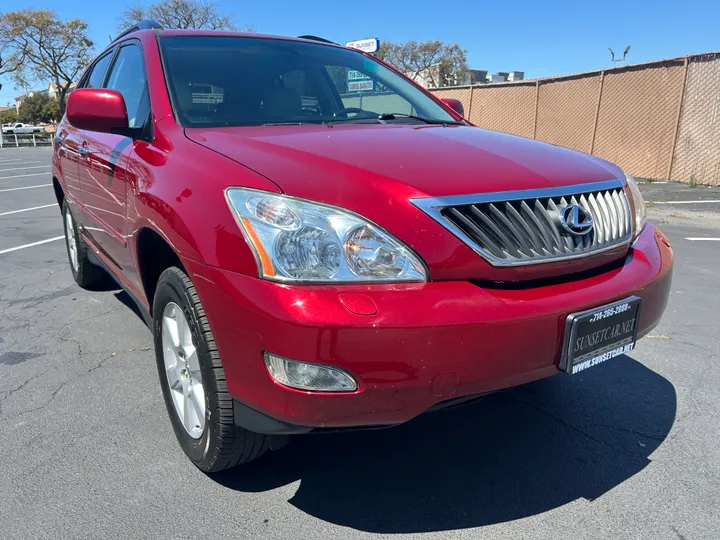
x=72, y=244
x=182, y=368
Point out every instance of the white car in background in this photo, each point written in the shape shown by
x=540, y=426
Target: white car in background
x=19, y=128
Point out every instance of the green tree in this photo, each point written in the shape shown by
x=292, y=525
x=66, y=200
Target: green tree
x=51, y=111
x=438, y=63
x=8, y=117
x=192, y=14
x=50, y=48
x=31, y=109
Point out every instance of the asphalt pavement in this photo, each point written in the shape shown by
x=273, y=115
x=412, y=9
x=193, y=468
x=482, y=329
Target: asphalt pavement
x=628, y=449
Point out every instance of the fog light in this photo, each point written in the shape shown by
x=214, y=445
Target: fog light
x=304, y=376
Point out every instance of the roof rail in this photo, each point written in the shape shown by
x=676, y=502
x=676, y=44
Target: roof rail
x=315, y=38
x=142, y=25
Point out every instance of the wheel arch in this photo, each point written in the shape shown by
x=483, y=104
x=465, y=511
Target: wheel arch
x=154, y=254
x=59, y=193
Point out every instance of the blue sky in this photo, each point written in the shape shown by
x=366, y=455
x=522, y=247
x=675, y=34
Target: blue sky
x=539, y=37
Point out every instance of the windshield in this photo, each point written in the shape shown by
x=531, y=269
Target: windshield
x=244, y=81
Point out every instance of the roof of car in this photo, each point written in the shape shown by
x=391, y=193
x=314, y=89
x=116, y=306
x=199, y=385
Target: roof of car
x=181, y=32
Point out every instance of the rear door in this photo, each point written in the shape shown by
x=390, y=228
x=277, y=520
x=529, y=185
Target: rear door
x=104, y=171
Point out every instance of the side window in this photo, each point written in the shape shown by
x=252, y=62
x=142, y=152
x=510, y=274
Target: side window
x=97, y=75
x=128, y=77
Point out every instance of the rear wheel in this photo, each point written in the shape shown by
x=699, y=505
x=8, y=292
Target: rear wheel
x=193, y=380
x=85, y=273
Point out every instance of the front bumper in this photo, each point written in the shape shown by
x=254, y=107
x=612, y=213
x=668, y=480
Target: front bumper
x=414, y=345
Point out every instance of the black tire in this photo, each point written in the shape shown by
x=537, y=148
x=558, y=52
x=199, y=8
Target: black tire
x=87, y=275
x=222, y=444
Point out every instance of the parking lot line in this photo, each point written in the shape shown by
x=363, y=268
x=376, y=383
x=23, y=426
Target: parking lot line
x=26, y=168
x=27, y=209
x=26, y=187
x=24, y=175
x=9, y=161
x=31, y=245
x=688, y=202
x=701, y=239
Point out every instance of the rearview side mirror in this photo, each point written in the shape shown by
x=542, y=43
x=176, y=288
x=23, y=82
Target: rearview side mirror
x=97, y=109
x=455, y=104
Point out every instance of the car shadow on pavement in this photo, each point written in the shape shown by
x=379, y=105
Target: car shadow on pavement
x=513, y=454
x=109, y=285
x=126, y=299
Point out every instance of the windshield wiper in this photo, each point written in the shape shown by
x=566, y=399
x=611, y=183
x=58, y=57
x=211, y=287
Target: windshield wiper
x=394, y=116
x=287, y=123
x=354, y=119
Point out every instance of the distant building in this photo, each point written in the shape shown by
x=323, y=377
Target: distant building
x=53, y=91
x=503, y=76
x=497, y=77
x=431, y=77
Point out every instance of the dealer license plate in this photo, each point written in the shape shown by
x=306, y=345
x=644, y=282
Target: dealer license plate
x=597, y=335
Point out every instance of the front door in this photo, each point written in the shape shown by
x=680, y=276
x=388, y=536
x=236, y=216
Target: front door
x=72, y=153
x=103, y=172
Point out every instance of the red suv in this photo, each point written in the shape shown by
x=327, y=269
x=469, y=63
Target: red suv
x=313, y=253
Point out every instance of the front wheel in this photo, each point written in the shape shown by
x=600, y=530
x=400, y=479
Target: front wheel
x=193, y=380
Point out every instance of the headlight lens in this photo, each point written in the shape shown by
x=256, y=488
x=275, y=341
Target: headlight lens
x=299, y=240
x=638, y=203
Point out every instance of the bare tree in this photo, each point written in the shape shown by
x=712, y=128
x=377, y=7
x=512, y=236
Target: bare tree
x=43, y=48
x=10, y=59
x=192, y=14
x=438, y=63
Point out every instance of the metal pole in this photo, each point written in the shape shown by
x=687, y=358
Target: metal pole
x=34, y=143
x=677, y=118
x=597, y=112
x=16, y=141
x=469, y=114
x=537, y=99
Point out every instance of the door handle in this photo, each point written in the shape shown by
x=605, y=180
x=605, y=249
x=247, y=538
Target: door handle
x=83, y=150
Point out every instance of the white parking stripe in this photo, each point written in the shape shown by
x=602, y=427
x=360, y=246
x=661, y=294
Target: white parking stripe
x=703, y=239
x=24, y=175
x=706, y=201
x=26, y=187
x=8, y=161
x=26, y=168
x=27, y=209
x=31, y=245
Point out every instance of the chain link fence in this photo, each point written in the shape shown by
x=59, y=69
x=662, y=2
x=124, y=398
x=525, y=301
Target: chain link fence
x=697, y=149
x=658, y=120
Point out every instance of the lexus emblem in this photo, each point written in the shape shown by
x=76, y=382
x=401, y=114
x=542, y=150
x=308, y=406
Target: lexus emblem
x=576, y=220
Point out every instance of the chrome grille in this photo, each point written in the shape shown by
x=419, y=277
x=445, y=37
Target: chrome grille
x=523, y=227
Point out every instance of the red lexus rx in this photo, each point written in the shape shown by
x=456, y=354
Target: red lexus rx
x=318, y=243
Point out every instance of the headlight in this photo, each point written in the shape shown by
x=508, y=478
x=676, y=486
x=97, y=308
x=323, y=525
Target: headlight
x=299, y=240
x=638, y=203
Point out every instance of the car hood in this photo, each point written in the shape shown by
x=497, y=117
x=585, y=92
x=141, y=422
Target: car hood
x=375, y=170
x=429, y=160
